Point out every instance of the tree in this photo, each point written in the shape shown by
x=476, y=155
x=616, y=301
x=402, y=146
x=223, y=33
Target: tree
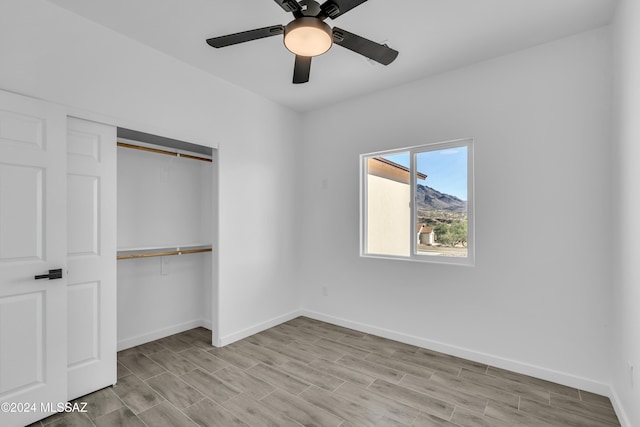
x=459, y=232
x=452, y=234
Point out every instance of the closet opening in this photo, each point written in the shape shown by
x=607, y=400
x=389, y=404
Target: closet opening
x=166, y=229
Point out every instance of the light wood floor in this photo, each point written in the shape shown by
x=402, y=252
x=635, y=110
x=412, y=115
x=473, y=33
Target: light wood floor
x=310, y=373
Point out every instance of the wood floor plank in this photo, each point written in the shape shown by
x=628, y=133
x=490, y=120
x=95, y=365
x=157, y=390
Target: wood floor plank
x=480, y=390
x=331, y=354
x=165, y=415
x=257, y=414
x=278, y=378
x=175, y=343
x=150, y=348
x=303, y=320
x=101, y=402
x=448, y=394
x=76, y=419
x=276, y=336
x=596, y=399
x=263, y=340
x=606, y=414
x=120, y=417
x=313, y=376
x=172, y=362
x=456, y=361
x=498, y=411
x=242, y=381
x=378, y=345
x=557, y=416
x=496, y=383
x=342, y=372
x=199, y=337
x=343, y=348
x=341, y=329
x=427, y=420
x=370, y=368
x=376, y=403
x=233, y=357
x=401, y=366
x=261, y=354
x=466, y=418
x=428, y=404
x=380, y=421
x=321, y=332
x=175, y=390
x=300, y=410
x=143, y=367
x=533, y=382
x=210, y=386
x=203, y=359
x=294, y=352
x=207, y=413
x=356, y=413
x=429, y=363
x=123, y=371
x=295, y=334
x=136, y=394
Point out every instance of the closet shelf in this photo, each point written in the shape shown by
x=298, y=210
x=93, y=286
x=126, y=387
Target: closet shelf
x=161, y=251
x=166, y=152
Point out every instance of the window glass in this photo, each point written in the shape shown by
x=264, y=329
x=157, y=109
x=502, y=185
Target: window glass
x=388, y=204
x=417, y=203
x=441, y=202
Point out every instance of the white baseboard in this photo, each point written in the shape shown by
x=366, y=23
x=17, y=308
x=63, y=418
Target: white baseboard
x=126, y=343
x=617, y=406
x=581, y=383
x=247, y=332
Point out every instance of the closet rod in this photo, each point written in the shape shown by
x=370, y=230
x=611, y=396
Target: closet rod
x=169, y=153
x=165, y=253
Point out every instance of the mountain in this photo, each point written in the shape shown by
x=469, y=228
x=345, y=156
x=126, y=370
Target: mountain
x=433, y=200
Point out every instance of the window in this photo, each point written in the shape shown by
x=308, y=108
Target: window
x=417, y=203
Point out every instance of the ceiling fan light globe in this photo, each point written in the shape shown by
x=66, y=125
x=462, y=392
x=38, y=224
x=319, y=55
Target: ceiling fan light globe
x=308, y=36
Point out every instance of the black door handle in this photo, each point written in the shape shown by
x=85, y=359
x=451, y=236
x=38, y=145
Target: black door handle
x=53, y=274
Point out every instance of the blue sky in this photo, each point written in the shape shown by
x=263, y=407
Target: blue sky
x=446, y=169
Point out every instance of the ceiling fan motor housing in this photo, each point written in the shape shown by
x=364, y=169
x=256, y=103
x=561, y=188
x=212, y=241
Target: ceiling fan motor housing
x=308, y=36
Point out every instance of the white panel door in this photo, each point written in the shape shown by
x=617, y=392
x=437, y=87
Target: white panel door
x=33, y=328
x=91, y=246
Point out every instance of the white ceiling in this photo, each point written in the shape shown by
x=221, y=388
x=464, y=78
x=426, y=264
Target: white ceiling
x=432, y=36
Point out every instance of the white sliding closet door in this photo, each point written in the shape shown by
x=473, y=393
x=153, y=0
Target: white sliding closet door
x=33, y=330
x=91, y=231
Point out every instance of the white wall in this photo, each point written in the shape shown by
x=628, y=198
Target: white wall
x=538, y=300
x=49, y=53
x=626, y=300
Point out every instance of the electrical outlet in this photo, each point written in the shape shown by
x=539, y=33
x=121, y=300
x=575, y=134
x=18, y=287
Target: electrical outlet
x=325, y=291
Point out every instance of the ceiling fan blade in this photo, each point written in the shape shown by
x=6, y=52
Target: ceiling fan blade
x=377, y=52
x=289, y=6
x=245, y=36
x=334, y=8
x=301, y=69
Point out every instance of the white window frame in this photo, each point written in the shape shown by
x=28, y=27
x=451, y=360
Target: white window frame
x=414, y=255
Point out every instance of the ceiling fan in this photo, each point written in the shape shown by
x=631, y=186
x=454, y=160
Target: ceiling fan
x=308, y=35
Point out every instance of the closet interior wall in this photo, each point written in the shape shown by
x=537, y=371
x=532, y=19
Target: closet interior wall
x=164, y=202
